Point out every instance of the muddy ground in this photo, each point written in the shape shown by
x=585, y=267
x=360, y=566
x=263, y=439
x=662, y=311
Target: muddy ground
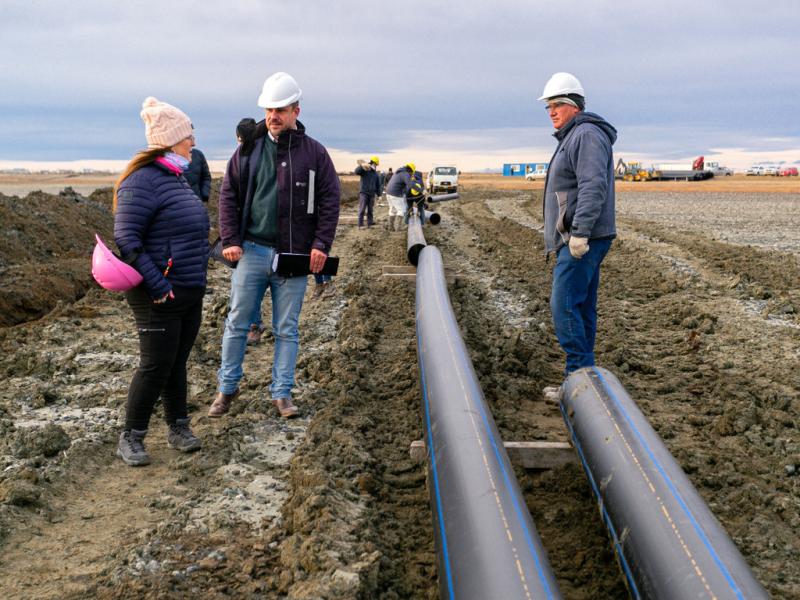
x=705, y=335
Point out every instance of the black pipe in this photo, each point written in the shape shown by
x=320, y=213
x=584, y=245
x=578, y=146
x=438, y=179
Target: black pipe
x=432, y=217
x=416, y=239
x=487, y=544
x=669, y=543
x=443, y=197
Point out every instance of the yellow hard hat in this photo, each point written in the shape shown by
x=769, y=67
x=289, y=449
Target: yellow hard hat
x=412, y=166
x=374, y=160
x=416, y=189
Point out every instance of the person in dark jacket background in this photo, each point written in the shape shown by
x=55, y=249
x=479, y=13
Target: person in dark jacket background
x=280, y=194
x=161, y=229
x=579, y=219
x=198, y=175
x=397, y=189
x=370, y=188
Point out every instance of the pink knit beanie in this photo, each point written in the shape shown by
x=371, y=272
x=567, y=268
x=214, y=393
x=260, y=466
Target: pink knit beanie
x=164, y=125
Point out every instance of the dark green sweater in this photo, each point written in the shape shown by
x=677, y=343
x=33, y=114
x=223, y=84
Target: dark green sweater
x=263, y=225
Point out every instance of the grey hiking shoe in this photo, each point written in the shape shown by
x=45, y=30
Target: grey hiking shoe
x=255, y=334
x=131, y=448
x=329, y=291
x=181, y=437
x=318, y=289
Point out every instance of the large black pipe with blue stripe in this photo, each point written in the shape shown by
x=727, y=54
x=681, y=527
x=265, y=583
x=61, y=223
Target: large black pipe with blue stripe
x=668, y=542
x=487, y=544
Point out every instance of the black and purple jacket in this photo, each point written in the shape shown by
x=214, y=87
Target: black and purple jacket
x=308, y=192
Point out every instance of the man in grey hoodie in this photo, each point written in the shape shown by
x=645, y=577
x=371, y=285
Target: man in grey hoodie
x=579, y=220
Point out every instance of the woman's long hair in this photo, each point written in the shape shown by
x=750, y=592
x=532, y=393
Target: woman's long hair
x=142, y=159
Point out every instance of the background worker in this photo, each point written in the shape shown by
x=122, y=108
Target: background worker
x=198, y=175
x=161, y=230
x=579, y=219
x=244, y=131
x=370, y=188
x=415, y=198
x=397, y=189
x=280, y=194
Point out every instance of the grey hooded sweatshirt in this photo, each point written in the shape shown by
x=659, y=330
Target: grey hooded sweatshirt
x=579, y=189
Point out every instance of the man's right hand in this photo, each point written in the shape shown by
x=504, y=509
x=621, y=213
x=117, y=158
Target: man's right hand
x=232, y=253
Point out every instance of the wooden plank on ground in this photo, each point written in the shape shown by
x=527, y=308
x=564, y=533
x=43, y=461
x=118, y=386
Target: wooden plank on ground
x=529, y=455
x=409, y=273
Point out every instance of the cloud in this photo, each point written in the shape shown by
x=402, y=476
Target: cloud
x=676, y=78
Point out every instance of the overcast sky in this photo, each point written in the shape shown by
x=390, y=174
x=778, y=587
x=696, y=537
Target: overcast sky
x=409, y=80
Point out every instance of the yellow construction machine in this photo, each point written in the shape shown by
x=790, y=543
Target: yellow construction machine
x=634, y=171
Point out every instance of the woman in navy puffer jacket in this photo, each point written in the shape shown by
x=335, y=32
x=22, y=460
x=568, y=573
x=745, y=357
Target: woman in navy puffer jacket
x=161, y=229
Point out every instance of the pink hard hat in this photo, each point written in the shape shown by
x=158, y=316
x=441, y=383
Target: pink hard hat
x=110, y=272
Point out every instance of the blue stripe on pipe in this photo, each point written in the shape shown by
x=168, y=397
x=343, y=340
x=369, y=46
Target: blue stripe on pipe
x=517, y=509
x=442, y=532
x=606, y=517
x=672, y=489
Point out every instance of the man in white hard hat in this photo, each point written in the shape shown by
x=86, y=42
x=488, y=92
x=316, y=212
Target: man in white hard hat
x=280, y=195
x=579, y=220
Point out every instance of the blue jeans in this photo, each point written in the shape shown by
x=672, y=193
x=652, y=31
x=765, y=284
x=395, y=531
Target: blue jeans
x=573, y=302
x=249, y=282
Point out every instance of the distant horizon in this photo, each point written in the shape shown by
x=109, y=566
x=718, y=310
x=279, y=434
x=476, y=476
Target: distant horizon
x=345, y=161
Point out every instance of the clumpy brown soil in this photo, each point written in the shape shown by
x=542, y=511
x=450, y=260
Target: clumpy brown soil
x=705, y=335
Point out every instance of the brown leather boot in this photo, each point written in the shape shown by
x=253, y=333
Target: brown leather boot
x=221, y=404
x=285, y=407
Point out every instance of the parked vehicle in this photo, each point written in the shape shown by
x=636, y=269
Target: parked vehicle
x=718, y=170
x=770, y=170
x=537, y=174
x=787, y=172
x=443, y=180
x=634, y=171
x=688, y=171
x=755, y=170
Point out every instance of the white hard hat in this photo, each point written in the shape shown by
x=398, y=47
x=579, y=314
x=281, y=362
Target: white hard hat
x=280, y=89
x=562, y=84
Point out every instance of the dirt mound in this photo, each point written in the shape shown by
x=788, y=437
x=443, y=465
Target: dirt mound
x=46, y=244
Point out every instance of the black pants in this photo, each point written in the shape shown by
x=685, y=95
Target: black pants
x=166, y=334
x=365, y=202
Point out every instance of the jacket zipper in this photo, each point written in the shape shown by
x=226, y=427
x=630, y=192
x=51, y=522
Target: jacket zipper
x=291, y=195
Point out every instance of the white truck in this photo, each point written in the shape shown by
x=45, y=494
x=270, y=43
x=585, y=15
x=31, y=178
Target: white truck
x=717, y=169
x=442, y=179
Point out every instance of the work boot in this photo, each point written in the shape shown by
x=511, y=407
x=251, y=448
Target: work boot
x=222, y=403
x=180, y=437
x=255, y=333
x=285, y=407
x=329, y=290
x=131, y=448
x=318, y=289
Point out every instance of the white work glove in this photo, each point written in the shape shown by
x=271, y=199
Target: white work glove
x=578, y=246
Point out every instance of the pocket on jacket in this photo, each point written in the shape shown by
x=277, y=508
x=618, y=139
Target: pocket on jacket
x=564, y=220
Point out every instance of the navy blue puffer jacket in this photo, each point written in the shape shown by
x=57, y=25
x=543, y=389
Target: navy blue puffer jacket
x=159, y=217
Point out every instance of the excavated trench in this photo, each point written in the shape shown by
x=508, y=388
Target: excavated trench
x=705, y=335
